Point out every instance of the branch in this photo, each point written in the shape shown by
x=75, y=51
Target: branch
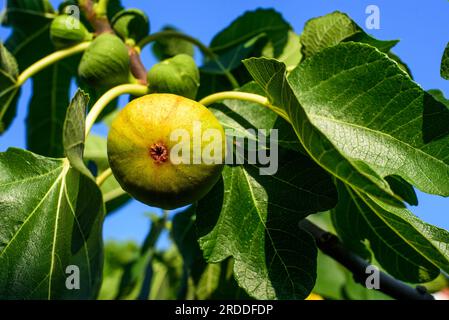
x=96, y=14
x=97, y=18
x=331, y=245
x=137, y=68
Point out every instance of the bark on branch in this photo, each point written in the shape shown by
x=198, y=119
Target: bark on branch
x=332, y=246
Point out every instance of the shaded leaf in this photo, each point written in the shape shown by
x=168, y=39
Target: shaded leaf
x=9, y=91
x=116, y=256
x=29, y=42
x=251, y=24
x=243, y=119
x=273, y=257
x=445, y=63
x=74, y=132
x=291, y=54
x=405, y=247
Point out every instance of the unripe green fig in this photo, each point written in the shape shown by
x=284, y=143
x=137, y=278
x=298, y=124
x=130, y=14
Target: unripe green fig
x=178, y=75
x=165, y=150
x=66, y=31
x=131, y=24
x=105, y=63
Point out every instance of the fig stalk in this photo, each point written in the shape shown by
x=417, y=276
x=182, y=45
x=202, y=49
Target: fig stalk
x=245, y=96
x=49, y=60
x=134, y=89
x=101, y=178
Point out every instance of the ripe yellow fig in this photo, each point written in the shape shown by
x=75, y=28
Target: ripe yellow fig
x=165, y=150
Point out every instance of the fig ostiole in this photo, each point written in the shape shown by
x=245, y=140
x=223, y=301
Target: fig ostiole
x=131, y=25
x=66, y=31
x=165, y=150
x=178, y=75
x=105, y=63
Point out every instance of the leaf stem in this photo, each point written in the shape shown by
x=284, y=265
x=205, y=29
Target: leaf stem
x=203, y=48
x=103, y=176
x=245, y=96
x=49, y=60
x=134, y=89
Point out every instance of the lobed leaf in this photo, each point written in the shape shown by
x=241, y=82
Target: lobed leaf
x=274, y=258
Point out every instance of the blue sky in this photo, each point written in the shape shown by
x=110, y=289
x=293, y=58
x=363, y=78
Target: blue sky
x=422, y=27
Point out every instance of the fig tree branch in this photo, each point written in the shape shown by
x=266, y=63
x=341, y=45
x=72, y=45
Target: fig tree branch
x=329, y=244
x=96, y=15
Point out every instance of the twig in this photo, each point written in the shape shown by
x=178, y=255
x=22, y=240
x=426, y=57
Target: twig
x=137, y=68
x=99, y=23
x=97, y=17
x=331, y=245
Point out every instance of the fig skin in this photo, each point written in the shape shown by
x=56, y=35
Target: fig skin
x=131, y=24
x=135, y=134
x=105, y=63
x=62, y=36
x=178, y=75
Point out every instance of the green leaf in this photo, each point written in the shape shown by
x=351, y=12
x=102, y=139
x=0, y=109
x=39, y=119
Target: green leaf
x=331, y=278
x=387, y=121
x=47, y=109
x=445, y=63
x=291, y=55
x=74, y=132
x=265, y=22
x=231, y=58
x=168, y=47
x=51, y=219
x=403, y=189
x=270, y=74
x=331, y=29
x=405, y=247
x=274, y=258
x=52, y=215
x=137, y=275
x=9, y=91
x=199, y=279
x=439, y=95
x=166, y=275
x=29, y=42
x=240, y=117
x=116, y=256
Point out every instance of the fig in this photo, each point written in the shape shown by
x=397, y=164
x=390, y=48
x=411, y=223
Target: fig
x=165, y=150
x=178, y=75
x=131, y=24
x=105, y=63
x=66, y=31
